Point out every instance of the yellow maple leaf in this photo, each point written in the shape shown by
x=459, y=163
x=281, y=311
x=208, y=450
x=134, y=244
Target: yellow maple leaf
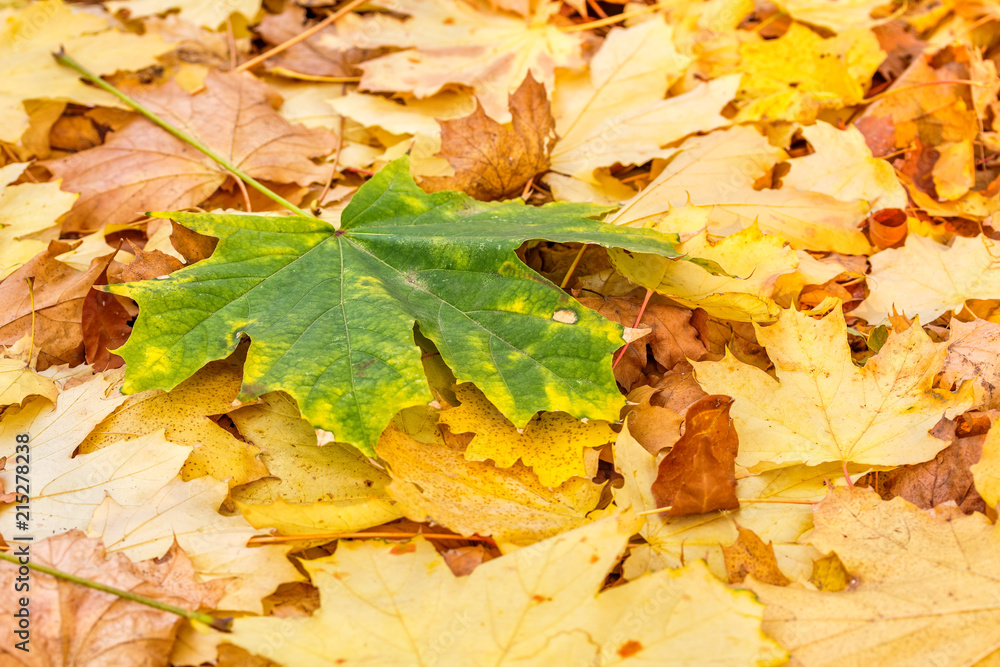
x=385, y=604
x=718, y=172
x=309, y=489
x=25, y=210
x=799, y=74
x=182, y=414
x=30, y=35
x=431, y=479
x=842, y=166
x=463, y=43
x=986, y=472
x=822, y=407
x=968, y=269
x=753, y=261
x=553, y=444
x=616, y=111
x=927, y=587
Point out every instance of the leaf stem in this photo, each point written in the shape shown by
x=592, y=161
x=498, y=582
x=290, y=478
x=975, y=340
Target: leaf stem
x=222, y=624
x=67, y=61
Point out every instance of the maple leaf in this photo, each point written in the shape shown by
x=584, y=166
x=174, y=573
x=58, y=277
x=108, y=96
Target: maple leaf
x=462, y=43
x=433, y=479
x=50, y=309
x=799, y=74
x=698, y=474
x=948, y=276
x=972, y=356
x=986, y=471
x=842, y=166
x=25, y=210
x=182, y=415
x=823, y=408
x=927, y=584
x=18, y=382
x=31, y=73
x=309, y=489
x=331, y=313
x=494, y=161
x=718, y=171
x=187, y=513
x=752, y=261
x=541, y=602
x=616, y=111
x=141, y=167
x=74, y=625
x=553, y=444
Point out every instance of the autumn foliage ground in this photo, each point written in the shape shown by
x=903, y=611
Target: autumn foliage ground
x=557, y=333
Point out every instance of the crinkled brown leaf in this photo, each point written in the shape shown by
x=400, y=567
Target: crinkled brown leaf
x=59, y=294
x=72, y=625
x=105, y=322
x=699, y=474
x=150, y=264
x=142, y=168
x=672, y=338
x=496, y=160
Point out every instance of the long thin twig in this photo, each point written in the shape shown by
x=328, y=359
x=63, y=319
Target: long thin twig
x=66, y=60
x=222, y=624
x=302, y=36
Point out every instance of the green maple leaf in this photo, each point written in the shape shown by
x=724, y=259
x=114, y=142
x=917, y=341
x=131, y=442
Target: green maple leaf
x=330, y=312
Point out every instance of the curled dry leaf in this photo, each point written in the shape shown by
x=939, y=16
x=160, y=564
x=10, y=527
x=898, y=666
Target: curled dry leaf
x=750, y=556
x=699, y=474
x=72, y=625
x=493, y=160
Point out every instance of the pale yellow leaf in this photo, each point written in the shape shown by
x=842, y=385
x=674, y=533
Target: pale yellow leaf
x=837, y=15
x=718, y=171
x=927, y=587
x=968, y=269
x=397, y=605
x=823, y=408
x=29, y=36
x=842, y=166
x=66, y=491
x=461, y=43
x=986, y=472
x=217, y=545
x=26, y=210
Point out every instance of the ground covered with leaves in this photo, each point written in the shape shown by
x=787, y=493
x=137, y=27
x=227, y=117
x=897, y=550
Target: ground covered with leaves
x=500, y=332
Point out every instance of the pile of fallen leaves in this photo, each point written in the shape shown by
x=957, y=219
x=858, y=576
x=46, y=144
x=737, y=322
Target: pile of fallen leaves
x=601, y=332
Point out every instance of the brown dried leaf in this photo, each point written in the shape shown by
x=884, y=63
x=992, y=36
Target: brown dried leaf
x=972, y=355
x=750, y=556
x=699, y=474
x=142, y=168
x=192, y=246
x=494, y=160
x=944, y=478
x=150, y=264
x=672, y=338
x=76, y=625
x=59, y=294
x=105, y=322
